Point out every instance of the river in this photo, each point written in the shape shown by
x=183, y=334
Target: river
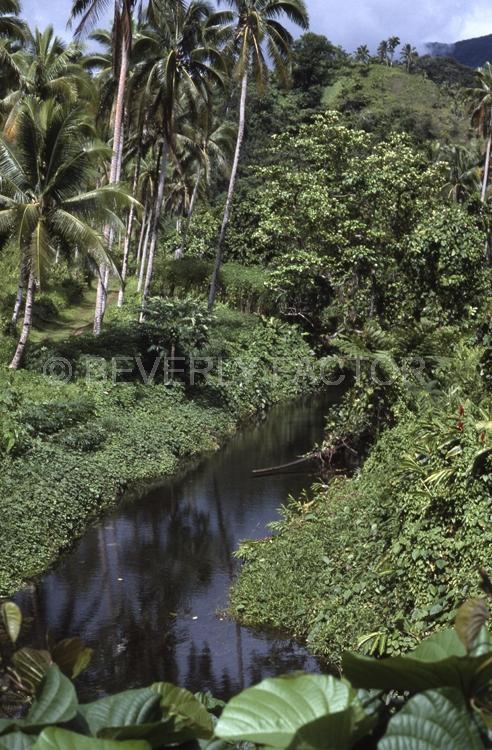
x=145, y=587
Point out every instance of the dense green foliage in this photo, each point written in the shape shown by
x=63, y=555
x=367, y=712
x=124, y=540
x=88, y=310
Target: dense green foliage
x=380, y=559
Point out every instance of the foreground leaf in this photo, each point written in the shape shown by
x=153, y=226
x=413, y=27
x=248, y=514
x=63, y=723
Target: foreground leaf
x=12, y=620
x=72, y=656
x=56, y=701
x=60, y=739
x=300, y=711
x=128, y=709
x=433, y=720
x=471, y=617
x=31, y=665
x=439, y=661
x=16, y=741
x=186, y=708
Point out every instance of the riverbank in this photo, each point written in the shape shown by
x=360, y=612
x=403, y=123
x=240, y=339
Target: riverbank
x=377, y=561
x=76, y=446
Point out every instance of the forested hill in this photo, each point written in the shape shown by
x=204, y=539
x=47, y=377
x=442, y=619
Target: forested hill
x=472, y=52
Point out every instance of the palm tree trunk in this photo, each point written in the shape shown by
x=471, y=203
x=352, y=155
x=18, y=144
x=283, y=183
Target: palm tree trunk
x=129, y=229
x=145, y=250
x=486, y=169
x=27, y=324
x=19, y=295
x=230, y=192
x=178, y=253
x=155, y=228
x=184, y=229
x=194, y=194
x=141, y=239
x=114, y=176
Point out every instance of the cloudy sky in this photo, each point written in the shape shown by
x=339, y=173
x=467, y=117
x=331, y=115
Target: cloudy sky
x=352, y=22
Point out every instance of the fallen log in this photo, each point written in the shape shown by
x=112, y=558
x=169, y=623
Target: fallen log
x=301, y=464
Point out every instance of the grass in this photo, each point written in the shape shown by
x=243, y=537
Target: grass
x=72, y=321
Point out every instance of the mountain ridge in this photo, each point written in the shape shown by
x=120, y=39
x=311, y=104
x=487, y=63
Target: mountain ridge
x=474, y=52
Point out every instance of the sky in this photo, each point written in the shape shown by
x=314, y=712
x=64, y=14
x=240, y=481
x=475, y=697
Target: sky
x=351, y=22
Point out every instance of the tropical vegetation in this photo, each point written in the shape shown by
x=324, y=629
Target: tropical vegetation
x=194, y=184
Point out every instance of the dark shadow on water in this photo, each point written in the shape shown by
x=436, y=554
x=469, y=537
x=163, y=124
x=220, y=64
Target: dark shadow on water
x=143, y=588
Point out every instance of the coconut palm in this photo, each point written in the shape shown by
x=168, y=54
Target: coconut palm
x=393, y=43
x=45, y=203
x=481, y=102
x=47, y=68
x=464, y=172
x=409, y=56
x=12, y=35
x=362, y=54
x=209, y=143
x=255, y=30
x=178, y=63
x=383, y=52
x=11, y=27
x=89, y=12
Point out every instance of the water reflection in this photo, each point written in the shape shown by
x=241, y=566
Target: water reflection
x=144, y=588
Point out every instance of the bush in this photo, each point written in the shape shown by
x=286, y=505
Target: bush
x=47, y=418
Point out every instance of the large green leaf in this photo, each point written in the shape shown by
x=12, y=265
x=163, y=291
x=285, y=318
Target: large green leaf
x=55, y=702
x=31, y=665
x=72, y=656
x=433, y=720
x=298, y=711
x=132, y=708
x=16, y=741
x=60, y=739
x=12, y=620
x=470, y=619
x=186, y=709
x=439, y=661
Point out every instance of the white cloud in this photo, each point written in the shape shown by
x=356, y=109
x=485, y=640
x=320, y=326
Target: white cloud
x=351, y=22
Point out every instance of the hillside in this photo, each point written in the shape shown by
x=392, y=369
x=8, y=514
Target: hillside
x=472, y=52
x=382, y=98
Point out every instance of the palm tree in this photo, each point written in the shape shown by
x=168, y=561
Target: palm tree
x=393, y=43
x=210, y=144
x=481, y=97
x=44, y=205
x=90, y=11
x=178, y=64
x=12, y=35
x=409, y=56
x=11, y=27
x=464, y=172
x=255, y=25
x=47, y=68
x=383, y=52
x=362, y=54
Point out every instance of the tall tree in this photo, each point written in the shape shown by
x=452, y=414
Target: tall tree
x=45, y=203
x=409, y=56
x=47, y=68
x=179, y=63
x=393, y=44
x=362, y=54
x=481, y=102
x=90, y=11
x=383, y=51
x=11, y=26
x=255, y=30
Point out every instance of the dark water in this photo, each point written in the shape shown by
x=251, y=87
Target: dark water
x=145, y=586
